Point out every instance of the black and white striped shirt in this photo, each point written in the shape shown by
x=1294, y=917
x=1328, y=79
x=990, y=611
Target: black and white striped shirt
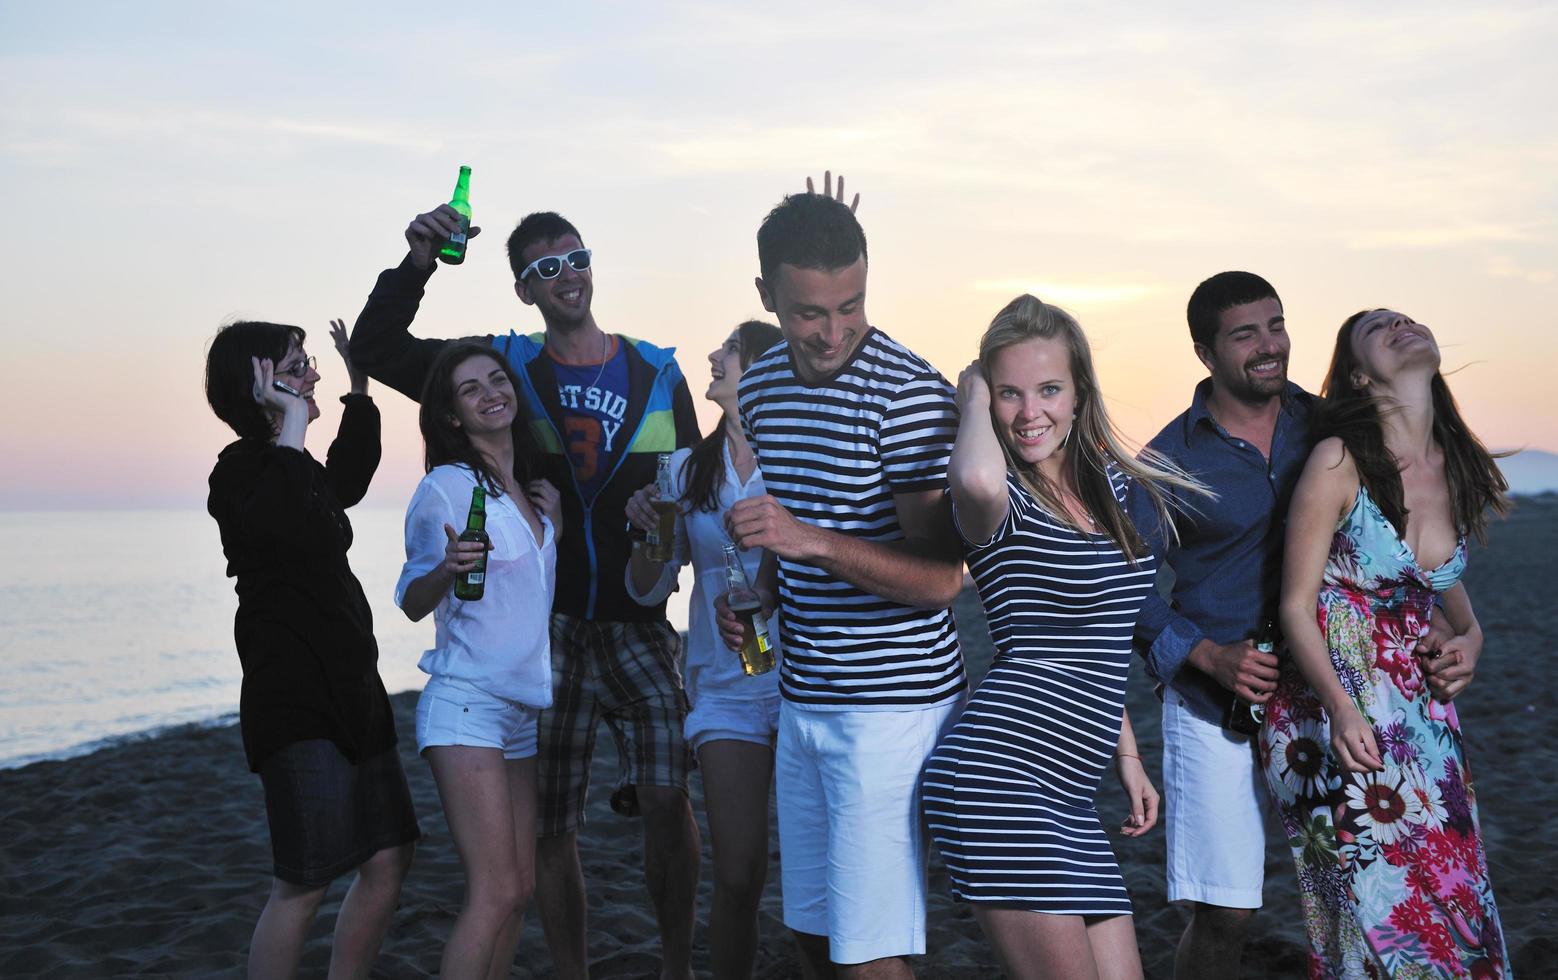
x=834, y=454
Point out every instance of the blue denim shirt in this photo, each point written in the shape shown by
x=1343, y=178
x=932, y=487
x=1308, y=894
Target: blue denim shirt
x=1227, y=562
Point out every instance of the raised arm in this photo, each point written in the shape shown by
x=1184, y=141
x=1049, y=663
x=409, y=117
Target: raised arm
x=354, y=454
x=1321, y=499
x=382, y=344
x=977, y=469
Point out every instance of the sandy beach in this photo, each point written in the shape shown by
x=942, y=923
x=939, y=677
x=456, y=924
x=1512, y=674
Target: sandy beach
x=151, y=859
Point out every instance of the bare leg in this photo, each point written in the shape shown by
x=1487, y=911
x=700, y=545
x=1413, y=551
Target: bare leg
x=366, y=912
x=887, y=968
x=1113, y=939
x=816, y=964
x=672, y=853
x=736, y=775
x=522, y=803
x=560, y=902
x=278, y=936
x=1035, y=945
x=1213, y=943
x=473, y=784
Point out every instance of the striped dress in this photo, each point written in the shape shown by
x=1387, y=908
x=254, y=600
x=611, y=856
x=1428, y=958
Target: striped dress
x=1008, y=794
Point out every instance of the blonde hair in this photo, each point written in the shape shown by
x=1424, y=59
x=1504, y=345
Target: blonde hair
x=1093, y=443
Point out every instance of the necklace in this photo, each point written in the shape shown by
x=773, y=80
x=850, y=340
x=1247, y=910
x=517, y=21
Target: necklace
x=605, y=342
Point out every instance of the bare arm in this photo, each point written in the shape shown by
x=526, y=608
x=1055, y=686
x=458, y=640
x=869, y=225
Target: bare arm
x=1450, y=665
x=423, y=594
x=1322, y=497
x=1140, y=794
x=922, y=570
x=977, y=469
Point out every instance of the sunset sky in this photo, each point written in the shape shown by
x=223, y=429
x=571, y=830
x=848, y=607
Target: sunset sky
x=168, y=166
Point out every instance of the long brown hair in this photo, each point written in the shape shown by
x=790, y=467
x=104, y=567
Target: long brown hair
x=445, y=442
x=1095, y=443
x=1355, y=416
x=703, y=473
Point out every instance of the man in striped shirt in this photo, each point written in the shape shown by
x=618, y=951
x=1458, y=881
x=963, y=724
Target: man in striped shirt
x=853, y=433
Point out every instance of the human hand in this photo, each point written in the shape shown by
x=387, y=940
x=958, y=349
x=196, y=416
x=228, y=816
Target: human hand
x=730, y=628
x=1250, y=673
x=827, y=190
x=269, y=397
x=461, y=556
x=546, y=500
x=762, y=522
x=973, y=388
x=640, y=509
x=1352, y=742
x=1449, y=667
x=428, y=232
x=359, y=381
x=1140, y=795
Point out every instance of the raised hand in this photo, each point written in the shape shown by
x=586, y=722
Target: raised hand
x=267, y=394
x=973, y=389
x=428, y=232
x=827, y=190
x=358, y=380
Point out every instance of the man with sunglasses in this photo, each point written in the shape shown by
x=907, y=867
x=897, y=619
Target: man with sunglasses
x=603, y=407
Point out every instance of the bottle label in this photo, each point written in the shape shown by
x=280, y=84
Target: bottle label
x=476, y=578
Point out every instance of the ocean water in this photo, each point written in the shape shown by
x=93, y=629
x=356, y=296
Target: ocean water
x=117, y=624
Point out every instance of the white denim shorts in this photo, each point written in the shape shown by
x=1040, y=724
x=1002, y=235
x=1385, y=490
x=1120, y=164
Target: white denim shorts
x=744, y=720
x=452, y=712
x=853, y=865
x=1215, y=806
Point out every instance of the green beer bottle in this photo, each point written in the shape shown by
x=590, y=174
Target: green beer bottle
x=453, y=251
x=472, y=585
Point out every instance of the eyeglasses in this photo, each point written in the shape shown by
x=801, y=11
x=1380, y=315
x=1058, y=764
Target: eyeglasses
x=551, y=266
x=300, y=369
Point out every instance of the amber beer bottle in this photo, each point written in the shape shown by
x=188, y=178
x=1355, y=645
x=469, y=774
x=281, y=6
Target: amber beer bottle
x=661, y=540
x=1244, y=717
x=757, y=653
x=453, y=251
x=472, y=585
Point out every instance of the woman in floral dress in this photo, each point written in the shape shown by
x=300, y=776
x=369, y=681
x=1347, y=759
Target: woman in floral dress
x=1361, y=745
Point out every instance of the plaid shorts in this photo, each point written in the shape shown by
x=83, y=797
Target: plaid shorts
x=629, y=675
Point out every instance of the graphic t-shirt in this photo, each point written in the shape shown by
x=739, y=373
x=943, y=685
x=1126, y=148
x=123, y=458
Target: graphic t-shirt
x=594, y=398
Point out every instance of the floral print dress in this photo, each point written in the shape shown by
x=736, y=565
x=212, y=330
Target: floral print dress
x=1391, y=867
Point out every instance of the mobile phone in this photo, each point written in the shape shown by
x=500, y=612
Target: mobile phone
x=283, y=386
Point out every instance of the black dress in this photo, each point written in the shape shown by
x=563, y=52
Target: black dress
x=304, y=630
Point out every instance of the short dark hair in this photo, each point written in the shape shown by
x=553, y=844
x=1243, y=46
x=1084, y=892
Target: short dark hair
x=542, y=226
x=230, y=371
x=444, y=442
x=809, y=231
x=1223, y=292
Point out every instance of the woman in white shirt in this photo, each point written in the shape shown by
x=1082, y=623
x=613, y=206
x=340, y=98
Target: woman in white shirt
x=490, y=668
x=734, y=717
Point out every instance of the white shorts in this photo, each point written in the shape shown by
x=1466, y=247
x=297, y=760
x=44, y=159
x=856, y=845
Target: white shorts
x=452, y=712
x=1215, y=808
x=852, y=854
x=744, y=720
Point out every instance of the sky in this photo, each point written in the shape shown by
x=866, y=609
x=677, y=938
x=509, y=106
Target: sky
x=167, y=167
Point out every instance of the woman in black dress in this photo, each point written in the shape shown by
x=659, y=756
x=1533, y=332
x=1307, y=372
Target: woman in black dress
x=315, y=719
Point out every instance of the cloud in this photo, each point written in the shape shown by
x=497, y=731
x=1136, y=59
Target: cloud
x=1068, y=294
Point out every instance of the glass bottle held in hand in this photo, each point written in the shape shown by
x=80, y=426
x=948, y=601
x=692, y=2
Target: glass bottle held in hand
x=472, y=585
x=453, y=251
x=1243, y=717
x=757, y=653
x=661, y=539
